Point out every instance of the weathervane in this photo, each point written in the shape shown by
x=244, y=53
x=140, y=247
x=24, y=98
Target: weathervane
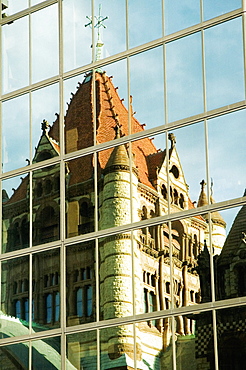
x=99, y=23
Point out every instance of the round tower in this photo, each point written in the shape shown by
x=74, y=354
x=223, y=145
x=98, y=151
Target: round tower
x=116, y=273
x=218, y=224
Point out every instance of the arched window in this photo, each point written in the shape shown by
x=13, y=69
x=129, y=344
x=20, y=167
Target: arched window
x=86, y=224
x=181, y=201
x=164, y=191
x=175, y=196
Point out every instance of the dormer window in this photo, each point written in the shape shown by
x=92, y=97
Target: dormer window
x=43, y=156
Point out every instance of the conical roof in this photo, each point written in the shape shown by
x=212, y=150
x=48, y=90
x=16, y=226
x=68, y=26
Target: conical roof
x=203, y=199
x=234, y=238
x=216, y=216
x=118, y=157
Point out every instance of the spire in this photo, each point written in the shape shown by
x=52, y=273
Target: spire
x=203, y=200
x=98, y=23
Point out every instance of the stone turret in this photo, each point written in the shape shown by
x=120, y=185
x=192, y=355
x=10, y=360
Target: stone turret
x=116, y=251
x=218, y=224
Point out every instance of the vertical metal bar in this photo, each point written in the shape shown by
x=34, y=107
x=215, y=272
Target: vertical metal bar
x=173, y=343
x=216, y=361
x=244, y=42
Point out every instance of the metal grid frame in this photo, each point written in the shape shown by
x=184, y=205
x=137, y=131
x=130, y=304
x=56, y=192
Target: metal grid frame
x=212, y=306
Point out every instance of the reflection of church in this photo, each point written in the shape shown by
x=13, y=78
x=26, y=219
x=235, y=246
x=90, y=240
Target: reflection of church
x=138, y=182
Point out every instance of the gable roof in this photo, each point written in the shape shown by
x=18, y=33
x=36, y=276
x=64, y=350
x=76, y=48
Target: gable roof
x=234, y=238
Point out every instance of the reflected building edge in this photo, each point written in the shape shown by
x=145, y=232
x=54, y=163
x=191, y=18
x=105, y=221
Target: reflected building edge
x=159, y=252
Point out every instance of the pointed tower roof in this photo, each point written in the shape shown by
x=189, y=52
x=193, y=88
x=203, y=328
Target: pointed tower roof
x=119, y=156
x=110, y=112
x=234, y=238
x=216, y=216
x=203, y=199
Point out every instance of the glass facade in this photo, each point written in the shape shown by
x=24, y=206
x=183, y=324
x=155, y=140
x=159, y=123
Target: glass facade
x=123, y=204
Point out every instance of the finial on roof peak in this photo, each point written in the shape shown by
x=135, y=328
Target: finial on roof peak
x=97, y=24
x=45, y=126
x=118, y=132
x=203, y=184
x=172, y=138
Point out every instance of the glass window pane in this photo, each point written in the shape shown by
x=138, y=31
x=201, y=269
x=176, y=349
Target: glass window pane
x=145, y=21
x=46, y=295
x=15, y=291
x=45, y=43
x=231, y=342
x=12, y=6
x=80, y=196
x=187, y=154
x=81, y=350
x=224, y=64
x=15, y=133
x=116, y=293
x=15, y=42
x=215, y=8
x=115, y=181
x=147, y=89
x=81, y=298
x=113, y=35
x=45, y=122
x=184, y=77
x=117, y=347
x=180, y=15
x=46, y=204
x=230, y=259
x=15, y=224
x=46, y=353
x=15, y=356
x=79, y=114
x=77, y=37
x=227, y=142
